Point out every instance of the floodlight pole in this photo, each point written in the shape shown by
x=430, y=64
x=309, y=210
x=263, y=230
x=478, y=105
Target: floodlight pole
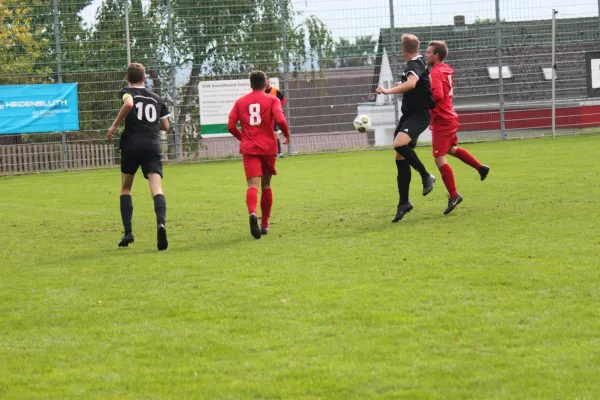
x=284, y=56
x=500, y=77
x=178, y=147
x=127, y=32
x=57, y=40
x=554, y=12
x=394, y=58
x=63, y=135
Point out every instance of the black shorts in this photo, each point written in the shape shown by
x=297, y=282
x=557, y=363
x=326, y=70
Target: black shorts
x=413, y=125
x=149, y=160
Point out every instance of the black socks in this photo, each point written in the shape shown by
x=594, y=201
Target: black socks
x=160, y=208
x=404, y=177
x=126, y=211
x=409, y=154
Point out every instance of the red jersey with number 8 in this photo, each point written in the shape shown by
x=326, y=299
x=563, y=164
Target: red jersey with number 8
x=443, y=115
x=257, y=113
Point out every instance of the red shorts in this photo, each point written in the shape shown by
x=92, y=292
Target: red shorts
x=256, y=165
x=443, y=141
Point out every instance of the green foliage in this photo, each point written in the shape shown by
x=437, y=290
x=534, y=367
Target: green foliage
x=225, y=41
x=22, y=44
x=499, y=300
x=358, y=53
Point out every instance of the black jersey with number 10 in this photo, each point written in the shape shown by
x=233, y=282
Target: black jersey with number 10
x=142, y=122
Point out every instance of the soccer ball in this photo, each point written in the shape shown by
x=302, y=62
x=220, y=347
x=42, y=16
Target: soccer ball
x=363, y=123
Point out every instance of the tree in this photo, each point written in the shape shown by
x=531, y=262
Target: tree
x=101, y=59
x=229, y=38
x=22, y=44
x=213, y=38
x=359, y=53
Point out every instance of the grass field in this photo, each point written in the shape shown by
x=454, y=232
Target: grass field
x=499, y=300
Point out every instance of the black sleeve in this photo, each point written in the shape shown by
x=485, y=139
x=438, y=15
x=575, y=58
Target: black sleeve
x=164, y=111
x=416, y=67
x=280, y=95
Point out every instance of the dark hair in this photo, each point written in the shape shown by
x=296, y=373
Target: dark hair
x=258, y=80
x=136, y=73
x=439, y=48
x=410, y=43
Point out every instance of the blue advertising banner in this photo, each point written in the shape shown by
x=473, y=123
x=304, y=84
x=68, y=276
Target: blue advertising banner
x=38, y=108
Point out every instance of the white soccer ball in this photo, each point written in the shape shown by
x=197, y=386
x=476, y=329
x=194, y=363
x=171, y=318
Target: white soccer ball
x=363, y=123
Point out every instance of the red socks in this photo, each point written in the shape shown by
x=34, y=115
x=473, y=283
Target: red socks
x=266, y=202
x=448, y=177
x=252, y=199
x=466, y=157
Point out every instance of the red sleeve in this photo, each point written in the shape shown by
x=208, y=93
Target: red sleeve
x=280, y=118
x=233, y=121
x=437, y=89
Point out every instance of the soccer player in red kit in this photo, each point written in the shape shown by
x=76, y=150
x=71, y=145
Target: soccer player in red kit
x=444, y=122
x=257, y=113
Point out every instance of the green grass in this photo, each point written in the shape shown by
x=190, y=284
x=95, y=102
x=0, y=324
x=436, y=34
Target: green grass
x=499, y=300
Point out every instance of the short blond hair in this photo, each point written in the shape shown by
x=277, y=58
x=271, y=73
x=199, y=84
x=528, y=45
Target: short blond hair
x=410, y=43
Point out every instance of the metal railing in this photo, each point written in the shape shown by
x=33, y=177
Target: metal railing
x=329, y=57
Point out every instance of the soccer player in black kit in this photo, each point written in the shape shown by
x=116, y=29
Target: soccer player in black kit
x=144, y=113
x=416, y=103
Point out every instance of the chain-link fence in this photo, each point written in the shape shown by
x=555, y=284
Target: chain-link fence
x=518, y=73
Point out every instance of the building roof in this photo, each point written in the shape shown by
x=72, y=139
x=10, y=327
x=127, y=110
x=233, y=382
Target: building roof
x=483, y=35
x=326, y=102
x=526, y=49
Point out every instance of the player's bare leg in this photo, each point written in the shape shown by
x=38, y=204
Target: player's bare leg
x=403, y=179
x=160, y=208
x=454, y=198
x=252, y=202
x=266, y=203
x=401, y=145
x=126, y=209
x=466, y=157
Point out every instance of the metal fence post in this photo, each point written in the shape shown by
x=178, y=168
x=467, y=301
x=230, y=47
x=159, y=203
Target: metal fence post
x=286, y=84
x=65, y=153
x=128, y=44
x=56, y=23
x=554, y=12
x=500, y=77
x=57, y=40
x=178, y=147
x=394, y=58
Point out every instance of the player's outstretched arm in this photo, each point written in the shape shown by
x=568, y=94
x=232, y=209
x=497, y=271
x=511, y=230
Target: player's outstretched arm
x=164, y=124
x=407, y=86
x=281, y=121
x=125, y=108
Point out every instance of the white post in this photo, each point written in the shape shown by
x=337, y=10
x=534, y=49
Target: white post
x=554, y=12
